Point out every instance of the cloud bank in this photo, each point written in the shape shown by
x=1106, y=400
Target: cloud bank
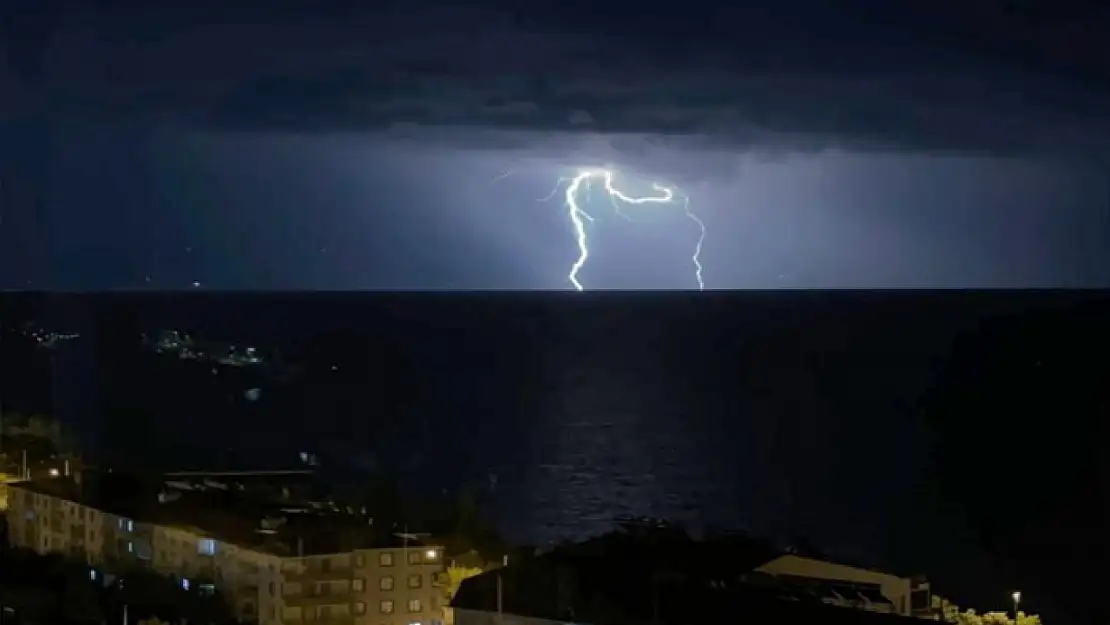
x=487, y=75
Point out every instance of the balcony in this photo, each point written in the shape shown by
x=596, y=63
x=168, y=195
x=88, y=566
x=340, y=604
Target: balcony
x=319, y=573
x=307, y=599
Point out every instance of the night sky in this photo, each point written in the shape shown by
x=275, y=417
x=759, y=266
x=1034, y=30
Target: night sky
x=296, y=145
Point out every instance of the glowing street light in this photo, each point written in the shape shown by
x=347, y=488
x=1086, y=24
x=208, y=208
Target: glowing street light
x=1017, y=601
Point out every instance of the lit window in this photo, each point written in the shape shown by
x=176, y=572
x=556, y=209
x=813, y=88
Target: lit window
x=126, y=525
x=92, y=574
x=415, y=581
x=184, y=583
x=414, y=605
x=206, y=547
x=386, y=583
x=385, y=558
x=430, y=554
x=386, y=606
x=130, y=547
x=358, y=584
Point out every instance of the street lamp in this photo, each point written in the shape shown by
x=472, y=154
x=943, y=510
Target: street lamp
x=1017, y=601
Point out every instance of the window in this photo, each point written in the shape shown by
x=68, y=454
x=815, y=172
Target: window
x=386, y=606
x=360, y=560
x=415, y=581
x=414, y=557
x=358, y=584
x=414, y=605
x=206, y=547
x=360, y=608
x=385, y=583
x=126, y=525
x=385, y=559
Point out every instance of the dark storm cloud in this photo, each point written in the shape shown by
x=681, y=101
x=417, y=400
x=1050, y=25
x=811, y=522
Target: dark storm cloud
x=738, y=79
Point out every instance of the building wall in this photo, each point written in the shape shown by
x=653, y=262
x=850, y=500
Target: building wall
x=5, y=479
x=22, y=529
x=248, y=578
x=894, y=588
x=366, y=587
x=34, y=522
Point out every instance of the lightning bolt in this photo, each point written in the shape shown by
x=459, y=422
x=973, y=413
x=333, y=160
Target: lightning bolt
x=579, y=217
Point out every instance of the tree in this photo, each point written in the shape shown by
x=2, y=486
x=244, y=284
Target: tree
x=148, y=594
x=47, y=587
x=970, y=617
x=456, y=575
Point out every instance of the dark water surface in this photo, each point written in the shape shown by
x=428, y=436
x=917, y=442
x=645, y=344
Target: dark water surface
x=783, y=413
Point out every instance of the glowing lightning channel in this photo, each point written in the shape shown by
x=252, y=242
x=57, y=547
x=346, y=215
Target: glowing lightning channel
x=579, y=217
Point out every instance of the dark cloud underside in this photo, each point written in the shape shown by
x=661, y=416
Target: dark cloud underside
x=796, y=76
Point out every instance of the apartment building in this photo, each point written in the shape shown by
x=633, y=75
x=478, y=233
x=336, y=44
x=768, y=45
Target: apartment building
x=271, y=574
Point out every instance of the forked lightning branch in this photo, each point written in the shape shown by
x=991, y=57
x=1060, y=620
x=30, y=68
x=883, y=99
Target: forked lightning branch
x=580, y=219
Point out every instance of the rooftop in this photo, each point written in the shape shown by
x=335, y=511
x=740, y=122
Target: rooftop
x=634, y=577
x=225, y=516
